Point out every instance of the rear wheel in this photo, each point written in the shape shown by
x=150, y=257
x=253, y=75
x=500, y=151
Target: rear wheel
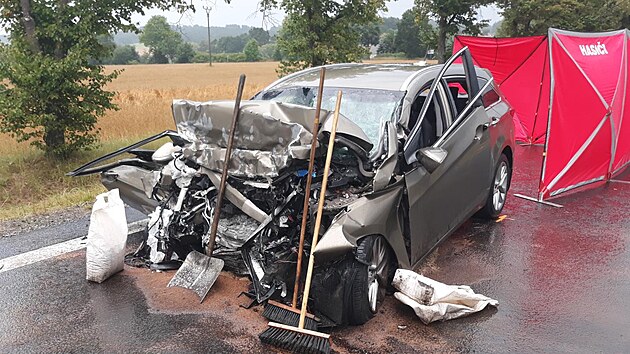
x=498, y=189
x=372, y=272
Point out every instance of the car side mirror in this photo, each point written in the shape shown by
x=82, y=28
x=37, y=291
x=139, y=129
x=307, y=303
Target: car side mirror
x=431, y=157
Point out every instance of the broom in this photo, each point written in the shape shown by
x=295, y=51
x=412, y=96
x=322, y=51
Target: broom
x=275, y=311
x=298, y=339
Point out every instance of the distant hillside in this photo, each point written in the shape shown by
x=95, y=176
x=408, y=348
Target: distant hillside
x=194, y=33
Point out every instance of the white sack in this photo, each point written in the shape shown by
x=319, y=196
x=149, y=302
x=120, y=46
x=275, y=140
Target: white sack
x=107, y=236
x=435, y=301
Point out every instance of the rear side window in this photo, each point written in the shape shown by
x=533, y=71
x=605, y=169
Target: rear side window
x=489, y=98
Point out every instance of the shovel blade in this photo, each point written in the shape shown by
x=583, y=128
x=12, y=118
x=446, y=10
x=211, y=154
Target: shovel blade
x=198, y=273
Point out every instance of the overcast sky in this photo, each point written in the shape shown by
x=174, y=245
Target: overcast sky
x=244, y=12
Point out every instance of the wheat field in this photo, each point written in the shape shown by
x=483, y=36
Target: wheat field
x=145, y=92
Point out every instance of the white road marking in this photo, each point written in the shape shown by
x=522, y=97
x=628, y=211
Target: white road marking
x=56, y=250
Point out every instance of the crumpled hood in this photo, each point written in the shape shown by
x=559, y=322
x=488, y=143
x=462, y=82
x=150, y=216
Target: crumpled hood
x=269, y=134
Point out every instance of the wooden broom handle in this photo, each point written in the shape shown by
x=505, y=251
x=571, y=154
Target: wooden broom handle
x=307, y=191
x=320, y=207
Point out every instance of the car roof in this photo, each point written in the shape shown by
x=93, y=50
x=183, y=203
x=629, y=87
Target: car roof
x=368, y=76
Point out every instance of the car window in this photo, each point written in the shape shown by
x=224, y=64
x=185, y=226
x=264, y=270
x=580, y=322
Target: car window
x=436, y=119
x=368, y=108
x=468, y=82
x=490, y=97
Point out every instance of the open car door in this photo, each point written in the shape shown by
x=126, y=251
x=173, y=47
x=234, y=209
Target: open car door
x=448, y=156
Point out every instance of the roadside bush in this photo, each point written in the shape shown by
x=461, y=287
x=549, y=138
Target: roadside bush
x=229, y=58
x=201, y=57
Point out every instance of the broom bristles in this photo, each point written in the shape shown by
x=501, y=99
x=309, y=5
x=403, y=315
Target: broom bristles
x=281, y=314
x=295, y=339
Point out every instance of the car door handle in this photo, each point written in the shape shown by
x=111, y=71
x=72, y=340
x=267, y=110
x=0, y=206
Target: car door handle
x=494, y=121
x=480, y=131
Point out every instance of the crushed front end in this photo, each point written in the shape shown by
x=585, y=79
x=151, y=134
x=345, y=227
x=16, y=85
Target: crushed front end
x=259, y=227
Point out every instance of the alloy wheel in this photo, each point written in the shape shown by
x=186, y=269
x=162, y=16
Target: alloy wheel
x=500, y=186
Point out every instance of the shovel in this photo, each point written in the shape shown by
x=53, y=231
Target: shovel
x=199, y=272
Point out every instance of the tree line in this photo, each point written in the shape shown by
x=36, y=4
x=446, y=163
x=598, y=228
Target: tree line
x=392, y=37
x=168, y=46
x=52, y=79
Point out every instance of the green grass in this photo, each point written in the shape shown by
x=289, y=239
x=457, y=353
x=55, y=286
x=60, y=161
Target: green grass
x=31, y=183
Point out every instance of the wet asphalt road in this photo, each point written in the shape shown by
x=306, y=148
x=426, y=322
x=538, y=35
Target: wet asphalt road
x=28, y=241
x=562, y=278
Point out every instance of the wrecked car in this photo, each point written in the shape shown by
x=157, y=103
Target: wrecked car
x=419, y=150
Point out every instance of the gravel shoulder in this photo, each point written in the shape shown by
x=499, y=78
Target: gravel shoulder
x=15, y=227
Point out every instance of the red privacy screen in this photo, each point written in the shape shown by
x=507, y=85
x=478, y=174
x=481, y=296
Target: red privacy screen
x=569, y=90
x=520, y=68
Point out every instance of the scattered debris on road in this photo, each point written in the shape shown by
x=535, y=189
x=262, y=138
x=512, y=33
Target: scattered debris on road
x=435, y=301
x=501, y=218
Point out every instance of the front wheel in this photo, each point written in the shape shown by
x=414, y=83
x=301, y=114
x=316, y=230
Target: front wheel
x=498, y=190
x=372, y=272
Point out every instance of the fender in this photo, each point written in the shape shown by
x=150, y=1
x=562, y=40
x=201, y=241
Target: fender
x=377, y=213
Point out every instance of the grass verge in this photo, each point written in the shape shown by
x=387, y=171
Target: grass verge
x=31, y=183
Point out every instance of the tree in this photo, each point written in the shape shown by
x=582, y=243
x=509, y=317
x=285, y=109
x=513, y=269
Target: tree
x=388, y=23
x=251, y=51
x=124, y=55
x=107, y=41
x=387, y=42
x=318, y=32
x=268, y=51
x=408, y=38
x=260, y=35
x=451, y=17
x=492, y=29
x=51, y=87
x=534, y=17
x=184, y=53
x=370, y=34
x=162, y=41
x=231, y=44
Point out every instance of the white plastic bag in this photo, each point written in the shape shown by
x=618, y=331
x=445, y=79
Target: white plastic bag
x=435, y=301
x=107, y=237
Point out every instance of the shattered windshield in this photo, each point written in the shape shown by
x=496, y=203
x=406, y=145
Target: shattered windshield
x=368, y=108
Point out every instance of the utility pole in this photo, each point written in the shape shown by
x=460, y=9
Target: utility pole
x=208, y=8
